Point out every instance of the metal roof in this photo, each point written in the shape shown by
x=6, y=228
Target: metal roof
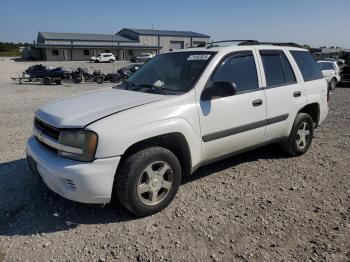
x=165, y=33
x=122, y=46
x=83, y=37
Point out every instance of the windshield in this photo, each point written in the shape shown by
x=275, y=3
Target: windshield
x=171, y=73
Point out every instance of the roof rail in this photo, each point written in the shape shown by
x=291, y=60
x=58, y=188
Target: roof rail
x=248, y=42
x=215, y=43
x=281, y=44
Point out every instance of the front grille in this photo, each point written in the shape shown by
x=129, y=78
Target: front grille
x=47, y=129
x=346, y=77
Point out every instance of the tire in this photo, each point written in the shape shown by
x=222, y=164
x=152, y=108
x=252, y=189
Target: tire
x=58, y=81
x=332, y=84
x=115, y=79
x=111, y=61
x=47, y=81
x=96, y=61
x=136, y=188
x=77, y=79
x=99, y=80
x=295, y=145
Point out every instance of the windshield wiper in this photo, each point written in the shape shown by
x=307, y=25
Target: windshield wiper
x=149, y=86
x=129, y=84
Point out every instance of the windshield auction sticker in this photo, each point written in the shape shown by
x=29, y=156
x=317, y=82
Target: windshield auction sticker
x=198, y=57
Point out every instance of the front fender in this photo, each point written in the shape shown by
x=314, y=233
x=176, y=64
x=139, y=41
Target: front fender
x=114, y=142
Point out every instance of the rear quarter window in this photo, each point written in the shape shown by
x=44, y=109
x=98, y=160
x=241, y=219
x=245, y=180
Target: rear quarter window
x=309, y=68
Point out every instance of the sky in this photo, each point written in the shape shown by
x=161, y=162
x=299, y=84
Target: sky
x=314, y=22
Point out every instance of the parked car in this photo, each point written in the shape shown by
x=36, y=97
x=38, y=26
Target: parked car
x=330, y=72
x=144, y=57
x=178, y=112
x=345, y=75
x=103, y=57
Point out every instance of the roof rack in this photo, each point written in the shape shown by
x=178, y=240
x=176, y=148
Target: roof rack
x=239, y=42
x=281, y=44
x=249, y=42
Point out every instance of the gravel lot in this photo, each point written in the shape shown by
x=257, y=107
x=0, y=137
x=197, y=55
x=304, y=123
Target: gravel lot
x=258, y=206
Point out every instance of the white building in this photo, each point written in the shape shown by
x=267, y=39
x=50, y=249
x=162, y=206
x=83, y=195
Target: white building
x=124, y=44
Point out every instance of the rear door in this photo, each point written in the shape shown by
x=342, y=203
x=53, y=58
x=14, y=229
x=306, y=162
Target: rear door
x=284, y=96
x=230, y=124
x=315, y=86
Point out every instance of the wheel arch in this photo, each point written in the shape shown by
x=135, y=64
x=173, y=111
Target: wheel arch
x=175, y=142
x=313, y=110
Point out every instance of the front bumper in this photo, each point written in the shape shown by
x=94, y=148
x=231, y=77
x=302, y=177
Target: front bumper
x=85, y=182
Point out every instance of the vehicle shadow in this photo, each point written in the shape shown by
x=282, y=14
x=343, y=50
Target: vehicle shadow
x=28, y=207
x=272, y=151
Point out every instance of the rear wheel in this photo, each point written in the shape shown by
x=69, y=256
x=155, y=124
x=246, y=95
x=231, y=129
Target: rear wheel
x=77, y=79
x=58, y=81
x=332, y=84
x=301, y=136
x=148, y=180
x=47, y=81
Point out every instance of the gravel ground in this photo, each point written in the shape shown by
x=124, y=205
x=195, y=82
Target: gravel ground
x=258, y=206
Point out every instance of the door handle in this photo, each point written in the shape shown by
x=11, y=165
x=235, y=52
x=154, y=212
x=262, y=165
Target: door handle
x=297, y=94
x=257, y=102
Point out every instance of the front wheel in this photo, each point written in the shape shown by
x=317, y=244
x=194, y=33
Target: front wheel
x=148, y=180
x=301, y=135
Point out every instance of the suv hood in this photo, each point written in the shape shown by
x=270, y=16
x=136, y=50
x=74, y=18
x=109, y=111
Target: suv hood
x=77, y=111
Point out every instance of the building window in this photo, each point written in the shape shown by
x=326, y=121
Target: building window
x=54, y=52
x=86, y=52
x=176, y=45
x=107, y=51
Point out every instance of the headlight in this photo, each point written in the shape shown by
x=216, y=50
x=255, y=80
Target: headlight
x=80, y=144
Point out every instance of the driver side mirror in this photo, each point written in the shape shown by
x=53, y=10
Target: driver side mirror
x=219, y=89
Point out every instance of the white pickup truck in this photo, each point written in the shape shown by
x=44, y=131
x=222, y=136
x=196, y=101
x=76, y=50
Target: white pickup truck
x=180, y=111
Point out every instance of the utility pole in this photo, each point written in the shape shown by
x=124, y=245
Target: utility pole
x=112, y=52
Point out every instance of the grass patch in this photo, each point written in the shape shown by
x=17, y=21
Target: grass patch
x=10, y=53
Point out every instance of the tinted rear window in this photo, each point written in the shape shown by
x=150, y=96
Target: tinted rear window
x=326, y=66
x=277, y=69
x=307, y=65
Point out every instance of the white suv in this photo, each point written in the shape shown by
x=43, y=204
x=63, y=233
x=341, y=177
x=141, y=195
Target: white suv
x=103, y=57
x=178, y=112
x=330, y=72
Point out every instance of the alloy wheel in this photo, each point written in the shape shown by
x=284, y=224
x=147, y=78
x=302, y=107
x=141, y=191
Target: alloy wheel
x=303, y=135
x=155, y=183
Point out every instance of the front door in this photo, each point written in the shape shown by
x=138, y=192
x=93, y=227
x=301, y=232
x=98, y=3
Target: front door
x=237, y=122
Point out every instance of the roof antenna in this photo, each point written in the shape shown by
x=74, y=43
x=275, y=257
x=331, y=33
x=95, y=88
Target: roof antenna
x=152, y=26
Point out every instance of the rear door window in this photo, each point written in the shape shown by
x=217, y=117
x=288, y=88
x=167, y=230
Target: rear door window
x=278, y=70
x=307, y=65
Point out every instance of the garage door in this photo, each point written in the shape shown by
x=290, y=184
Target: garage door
x=175, y=45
